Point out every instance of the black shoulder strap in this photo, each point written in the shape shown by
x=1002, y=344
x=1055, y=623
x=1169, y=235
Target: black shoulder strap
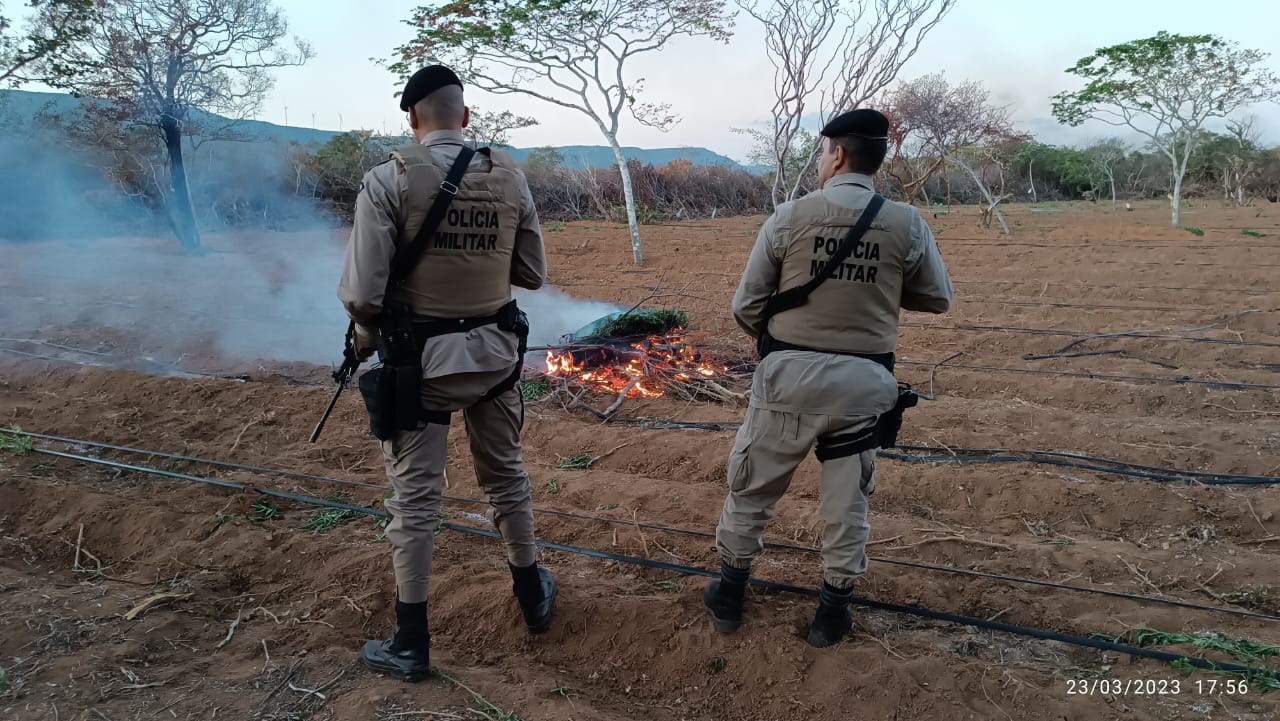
x=407, y=259
x=795, y=297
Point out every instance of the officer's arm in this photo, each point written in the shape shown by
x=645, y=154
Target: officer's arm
x=926, y=287
x=529, y=261
x=373, y=243
x=760, y=279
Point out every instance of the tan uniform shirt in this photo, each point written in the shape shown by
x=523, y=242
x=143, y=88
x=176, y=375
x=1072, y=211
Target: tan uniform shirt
x=373, y=244
x=806, y=382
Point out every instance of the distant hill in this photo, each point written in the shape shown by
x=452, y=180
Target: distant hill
x=18, y=107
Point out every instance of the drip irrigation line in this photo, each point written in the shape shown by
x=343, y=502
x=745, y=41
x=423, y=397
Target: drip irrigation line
x=942, y=455
x=1115, y=377
x=954, y=458
x=917, y=611
x=1078, y=334
x=691, y=532
x=1093, y=459
x=1140, y=333
x=1091, y=286
x=1048, y=304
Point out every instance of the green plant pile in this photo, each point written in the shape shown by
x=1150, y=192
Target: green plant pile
x=646, y=322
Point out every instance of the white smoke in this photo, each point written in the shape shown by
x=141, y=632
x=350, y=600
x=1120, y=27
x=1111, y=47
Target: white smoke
x=554, y=313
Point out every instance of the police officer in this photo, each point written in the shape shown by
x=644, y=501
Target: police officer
x=488, y=241
x=826, y=372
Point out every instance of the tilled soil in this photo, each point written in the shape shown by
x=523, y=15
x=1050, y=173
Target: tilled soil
x=84, y=546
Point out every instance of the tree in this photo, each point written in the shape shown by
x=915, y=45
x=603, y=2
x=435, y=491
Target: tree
x=155, y=61
x=1104, y=156
x=1233, y=158
x=56, y=24
x=544, y=159
x=571, y=53
x=866, y=41
x=342, y=162
x=796, y=168
x=493, y=128
x=938, y=120
x=1165, y=87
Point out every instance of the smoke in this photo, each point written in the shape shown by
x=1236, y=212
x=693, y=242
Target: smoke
x=554, y=313
x=87, y=260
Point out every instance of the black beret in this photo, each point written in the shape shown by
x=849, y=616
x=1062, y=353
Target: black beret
x=863, y=122
x=425, y=82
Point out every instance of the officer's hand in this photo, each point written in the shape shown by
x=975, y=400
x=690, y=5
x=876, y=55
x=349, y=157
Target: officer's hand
x=364, y=346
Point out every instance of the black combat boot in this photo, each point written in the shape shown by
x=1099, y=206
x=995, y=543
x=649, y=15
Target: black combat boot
x=834, y=617
x=405, y=655
x=723, y=597
x=535, y=589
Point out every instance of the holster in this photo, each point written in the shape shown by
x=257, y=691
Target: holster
x=884, y=434
x=890, y=423
x=392, y=390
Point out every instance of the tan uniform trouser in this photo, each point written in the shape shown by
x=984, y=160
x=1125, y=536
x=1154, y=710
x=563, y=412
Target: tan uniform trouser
x=415, y=463
x=770, y=445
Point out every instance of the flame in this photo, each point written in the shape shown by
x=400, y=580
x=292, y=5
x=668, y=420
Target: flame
x=639, y=369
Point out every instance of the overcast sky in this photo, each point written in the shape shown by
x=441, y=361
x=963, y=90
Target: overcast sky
x=1018, y=49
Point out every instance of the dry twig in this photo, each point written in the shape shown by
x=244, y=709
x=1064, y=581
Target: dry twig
x=956, y=539
x=155, y=600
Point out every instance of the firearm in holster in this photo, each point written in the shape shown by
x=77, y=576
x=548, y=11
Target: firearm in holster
x=392, y=390
x=891, y=422
x=350, y=362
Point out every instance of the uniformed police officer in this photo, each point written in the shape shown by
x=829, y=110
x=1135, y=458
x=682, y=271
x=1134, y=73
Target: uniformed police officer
x=488, y=241
x=828, y=373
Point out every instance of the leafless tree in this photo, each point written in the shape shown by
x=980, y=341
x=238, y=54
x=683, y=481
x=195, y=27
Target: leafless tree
x=1104, y=156
x=941, y=120
x=1243, y=160
x=155, y=61
x=865, y=42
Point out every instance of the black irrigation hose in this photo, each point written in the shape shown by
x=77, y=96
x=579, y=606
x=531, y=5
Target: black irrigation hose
x=689, y=532
x=1099, y=459
x=990, y=458
x=917, y=611
x=1081, y=334
x=1185, y=380
x=1090, y=286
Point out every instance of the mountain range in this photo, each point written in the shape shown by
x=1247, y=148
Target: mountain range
x=19, y=107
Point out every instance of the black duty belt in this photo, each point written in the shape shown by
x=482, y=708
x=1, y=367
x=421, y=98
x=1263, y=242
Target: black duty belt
x=425, y=327
x=768, y=344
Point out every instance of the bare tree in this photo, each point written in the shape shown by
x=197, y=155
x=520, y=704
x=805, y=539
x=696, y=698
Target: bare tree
x=937, y=120
x=571, y=53
x=495, y=128
x=1104, y=156
x=54, y=25
x=1243, y=158
x=155, y=61
x=865, y=41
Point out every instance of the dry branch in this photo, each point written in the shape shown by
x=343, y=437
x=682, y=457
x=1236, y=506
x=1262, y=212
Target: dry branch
x=956, y=539
x=155, y=600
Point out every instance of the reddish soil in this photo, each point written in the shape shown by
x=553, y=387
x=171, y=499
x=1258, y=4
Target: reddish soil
x=635, y=643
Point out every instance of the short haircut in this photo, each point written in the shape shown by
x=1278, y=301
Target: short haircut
x=443, y=108
x=864, y=156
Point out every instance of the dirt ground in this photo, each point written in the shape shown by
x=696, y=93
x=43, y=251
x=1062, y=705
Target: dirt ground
x=252, y=610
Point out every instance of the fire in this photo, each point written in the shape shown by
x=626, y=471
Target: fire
x=638, y=368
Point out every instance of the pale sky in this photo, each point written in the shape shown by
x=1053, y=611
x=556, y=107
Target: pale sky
x=1018, y=49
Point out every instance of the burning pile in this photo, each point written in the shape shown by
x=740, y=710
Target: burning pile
x=612, y=357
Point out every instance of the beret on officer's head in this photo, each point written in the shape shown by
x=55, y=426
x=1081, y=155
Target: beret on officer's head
x=425, y=82
x=863, y=123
